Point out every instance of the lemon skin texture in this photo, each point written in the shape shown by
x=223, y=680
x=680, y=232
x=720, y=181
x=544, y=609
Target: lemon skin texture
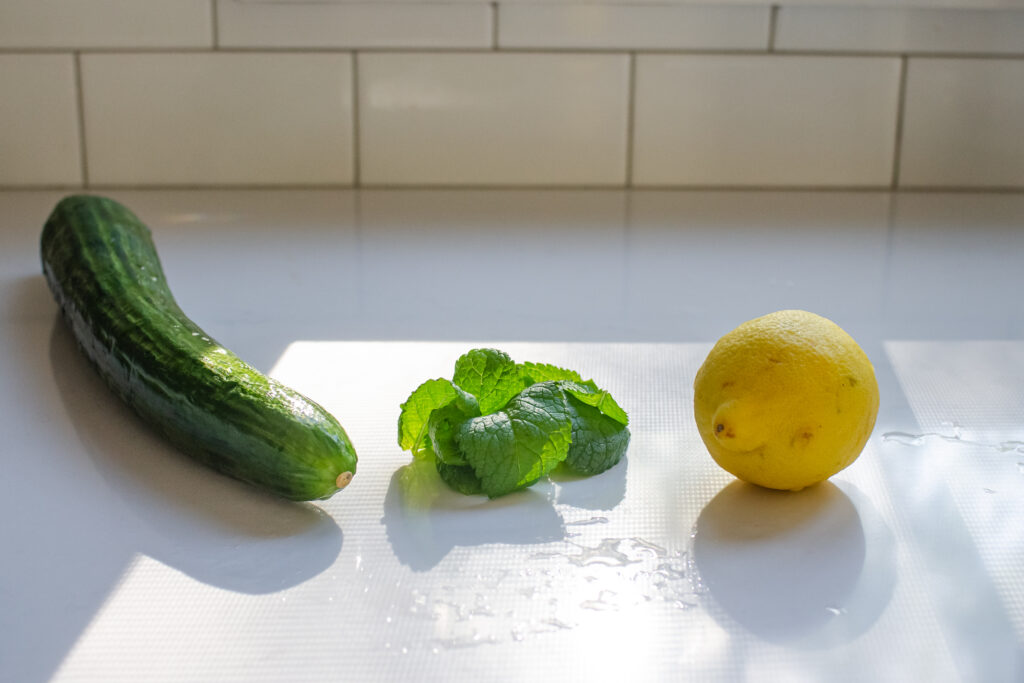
x=785, y=400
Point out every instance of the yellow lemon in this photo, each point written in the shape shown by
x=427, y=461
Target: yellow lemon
x=785, y=400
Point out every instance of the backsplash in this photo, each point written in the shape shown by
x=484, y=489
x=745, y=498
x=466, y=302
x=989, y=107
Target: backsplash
x=133, y=93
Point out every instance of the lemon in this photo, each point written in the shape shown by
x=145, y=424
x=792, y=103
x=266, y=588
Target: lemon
x=785, y=400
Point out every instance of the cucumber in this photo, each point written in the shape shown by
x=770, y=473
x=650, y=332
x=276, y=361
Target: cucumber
x=102, y=267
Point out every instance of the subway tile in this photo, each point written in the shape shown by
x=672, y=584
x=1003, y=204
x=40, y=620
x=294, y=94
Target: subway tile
x=963, y=123
x=359, y=25
x=900, y=29
x=765, y=120
x=493, y=118
x=39, y=141
x=106, y=23
x=209, y=118
x=633, y=26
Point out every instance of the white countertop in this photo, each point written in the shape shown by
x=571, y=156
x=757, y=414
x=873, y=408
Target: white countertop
x=125, y=561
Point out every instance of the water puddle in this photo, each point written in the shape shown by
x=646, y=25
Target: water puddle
x=909, y=439
x=562, y=586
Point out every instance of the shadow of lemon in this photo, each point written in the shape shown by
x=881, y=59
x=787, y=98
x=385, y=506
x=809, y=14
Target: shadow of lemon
x=790, y=567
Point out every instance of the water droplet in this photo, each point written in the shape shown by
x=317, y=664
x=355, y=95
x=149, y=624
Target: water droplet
x=405, y=650
x=601, y=603
x=641, y=544
x=587, y=522
x=988, y=490
x=557, y=623
x=458, y=642
x=605, y=553
x=904, y=438
x=836, y=611
x=671, y=571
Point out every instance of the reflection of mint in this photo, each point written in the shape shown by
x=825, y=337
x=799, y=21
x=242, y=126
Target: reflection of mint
x=500, y=426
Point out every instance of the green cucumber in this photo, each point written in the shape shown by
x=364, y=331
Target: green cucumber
x=102, y=267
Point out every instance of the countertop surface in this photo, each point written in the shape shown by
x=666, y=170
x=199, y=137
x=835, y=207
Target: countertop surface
x=124, y=560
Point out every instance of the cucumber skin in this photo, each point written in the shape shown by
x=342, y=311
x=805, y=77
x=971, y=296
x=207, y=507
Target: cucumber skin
x=102, y=267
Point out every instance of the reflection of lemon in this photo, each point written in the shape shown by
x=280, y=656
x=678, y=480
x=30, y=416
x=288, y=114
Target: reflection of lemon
x=785, y=400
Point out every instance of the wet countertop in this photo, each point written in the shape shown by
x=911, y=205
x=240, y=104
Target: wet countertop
x=123, y=560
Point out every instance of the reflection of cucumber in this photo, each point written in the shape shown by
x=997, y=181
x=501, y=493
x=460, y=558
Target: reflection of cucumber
x=102, y=267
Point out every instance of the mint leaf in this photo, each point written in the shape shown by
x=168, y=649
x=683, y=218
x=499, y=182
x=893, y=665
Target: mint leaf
x=545, y=372
x=499, y=426
x=491, y=376
x=462, y=478
x=515, y=447
x=598, y=440
x=443, y=423
x=598, y=398
x=585, y=390
x=415, y=413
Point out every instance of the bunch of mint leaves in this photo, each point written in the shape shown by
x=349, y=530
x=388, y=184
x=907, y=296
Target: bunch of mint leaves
x=499, y=426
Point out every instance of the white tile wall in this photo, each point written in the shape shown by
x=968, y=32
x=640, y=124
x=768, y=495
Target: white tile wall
x=895, y=29
x=105, y=23
x=493, y=118
x=218, y=118
x=513, y=92
x=247, y=24
x=752, y=120
x=964, y=123
x=640, y=27
x=39, y=143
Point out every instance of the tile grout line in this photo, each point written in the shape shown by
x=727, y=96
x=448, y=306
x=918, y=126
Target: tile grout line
x=494, y=25
x=630, y=119
x=754, y=52
x=215, y=24
x=901, y=110
x=286, y=187
x=773, y=26
x=356, y=147
x=80, y=104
